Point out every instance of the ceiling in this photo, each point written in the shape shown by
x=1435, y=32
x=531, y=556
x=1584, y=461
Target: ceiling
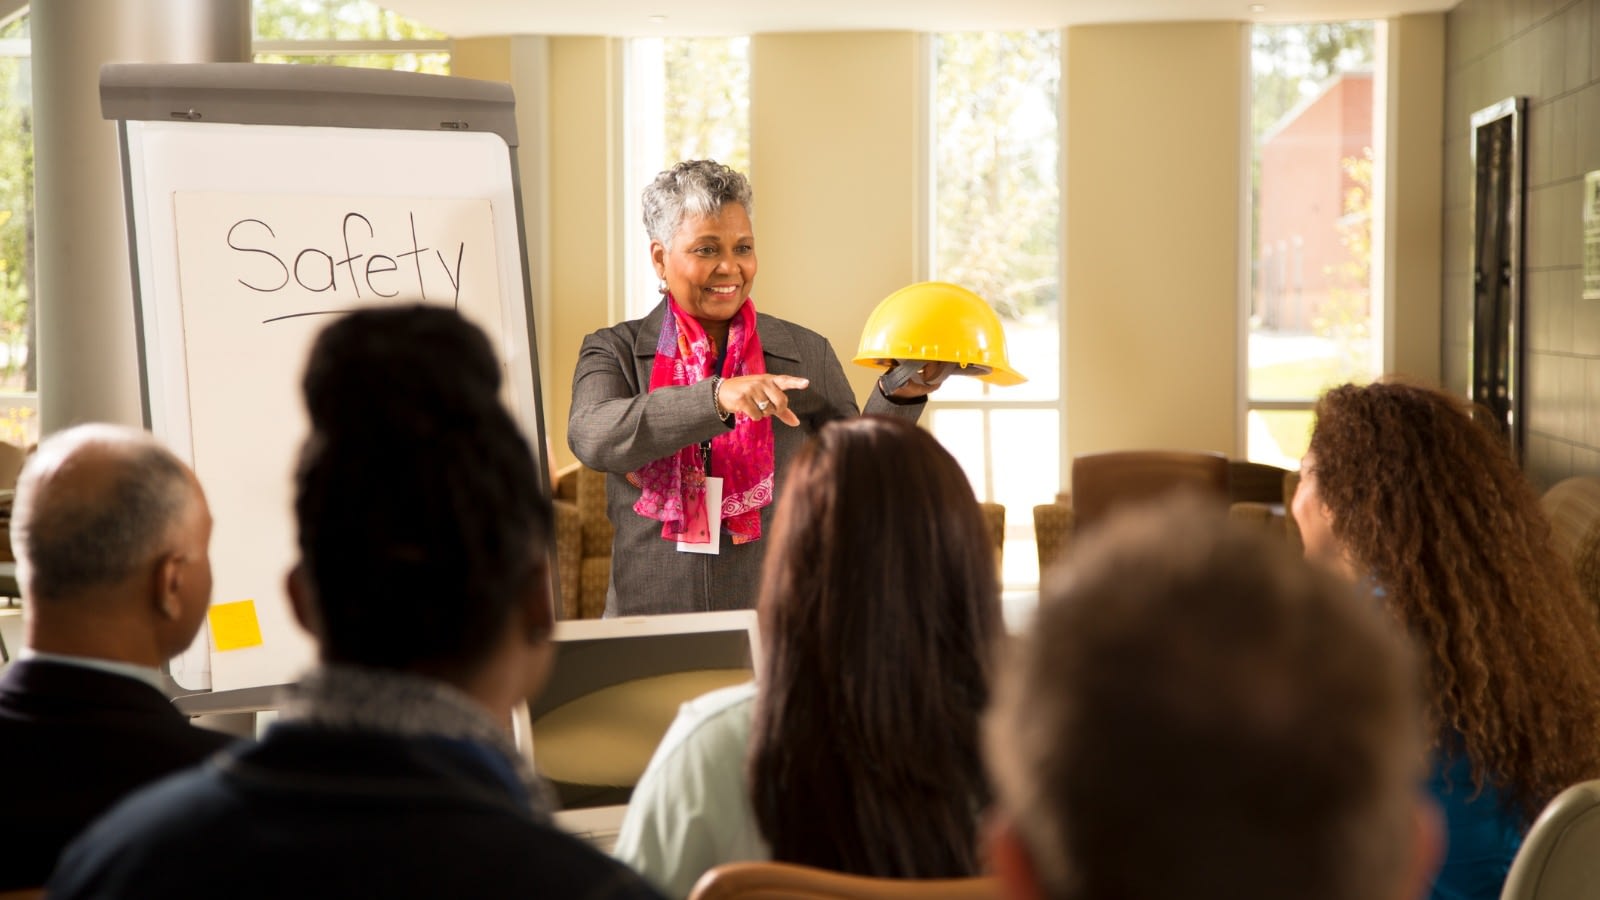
x=636, y=18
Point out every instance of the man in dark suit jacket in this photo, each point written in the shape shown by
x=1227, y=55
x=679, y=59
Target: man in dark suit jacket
x=111, y=533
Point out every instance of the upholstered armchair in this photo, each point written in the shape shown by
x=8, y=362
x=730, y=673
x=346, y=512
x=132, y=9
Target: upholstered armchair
x=994, y=516
x=1102, y=481
x=583, y=541
x=1573, y=508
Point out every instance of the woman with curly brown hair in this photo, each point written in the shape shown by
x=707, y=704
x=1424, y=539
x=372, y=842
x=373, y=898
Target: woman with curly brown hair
x=1403, y=489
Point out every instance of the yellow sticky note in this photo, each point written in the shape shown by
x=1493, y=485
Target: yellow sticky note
x=234, y=625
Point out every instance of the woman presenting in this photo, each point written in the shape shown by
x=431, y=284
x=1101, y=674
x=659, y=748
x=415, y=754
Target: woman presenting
x=678, y=408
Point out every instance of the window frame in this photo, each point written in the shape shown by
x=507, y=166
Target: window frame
x=1019, y=522
x=1379, y=307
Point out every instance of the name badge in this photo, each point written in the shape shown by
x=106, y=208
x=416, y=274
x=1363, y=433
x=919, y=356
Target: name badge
x=704, y=532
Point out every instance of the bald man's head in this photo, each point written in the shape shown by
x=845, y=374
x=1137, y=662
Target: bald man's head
x=99, y=510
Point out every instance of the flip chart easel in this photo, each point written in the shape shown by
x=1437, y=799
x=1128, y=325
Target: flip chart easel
x=263, y=201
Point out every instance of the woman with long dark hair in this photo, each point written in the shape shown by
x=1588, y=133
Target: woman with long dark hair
x=857, y=748
x=1402, y=489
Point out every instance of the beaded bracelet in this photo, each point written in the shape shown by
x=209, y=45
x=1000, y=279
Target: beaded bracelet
x=716, y=400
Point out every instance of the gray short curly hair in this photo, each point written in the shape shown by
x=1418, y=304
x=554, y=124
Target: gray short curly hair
x=698, y=187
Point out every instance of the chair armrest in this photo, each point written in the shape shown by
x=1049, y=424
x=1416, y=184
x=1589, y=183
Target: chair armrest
x=569, y=549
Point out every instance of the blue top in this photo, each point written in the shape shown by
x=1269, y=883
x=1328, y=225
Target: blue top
x=1481, y=836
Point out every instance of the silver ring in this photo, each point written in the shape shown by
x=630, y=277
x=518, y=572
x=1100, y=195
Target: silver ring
x=762, y=405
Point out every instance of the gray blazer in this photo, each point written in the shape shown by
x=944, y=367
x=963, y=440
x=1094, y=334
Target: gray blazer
x=617, y=425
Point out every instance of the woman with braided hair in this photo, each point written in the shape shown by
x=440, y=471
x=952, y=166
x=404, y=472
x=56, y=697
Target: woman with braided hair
x=1402, y=489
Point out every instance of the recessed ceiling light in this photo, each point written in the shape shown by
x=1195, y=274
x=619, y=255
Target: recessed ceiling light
x=1258, y=7
x=657, y=19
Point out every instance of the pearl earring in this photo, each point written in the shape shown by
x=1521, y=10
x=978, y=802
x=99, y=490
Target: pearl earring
x=661, y=287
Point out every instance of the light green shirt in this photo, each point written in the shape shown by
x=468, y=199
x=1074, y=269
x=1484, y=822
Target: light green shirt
x=690, y=810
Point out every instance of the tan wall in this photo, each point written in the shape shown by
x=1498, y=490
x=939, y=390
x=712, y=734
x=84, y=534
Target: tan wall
x=524, y=63
x=1544, y=52
x=1152, y=136
x=1414, y=188
x=585, y=271
x=836, y=143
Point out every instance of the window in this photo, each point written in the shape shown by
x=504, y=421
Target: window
x=996, y=216
x=19, y=402
x=343, y=33
x=1311, y=318
x=705, y=84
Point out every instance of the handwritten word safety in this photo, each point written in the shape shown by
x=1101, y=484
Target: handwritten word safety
x=370, y=266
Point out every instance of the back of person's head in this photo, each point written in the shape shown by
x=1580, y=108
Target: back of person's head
x=93, y=504
x=1428, y=503
x=1197, y=713
x=109, y=524
x=879, y=607
x=422, y=519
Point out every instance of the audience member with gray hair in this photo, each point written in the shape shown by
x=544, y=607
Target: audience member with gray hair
x=111, y=535
x=1198, y=714
x=687, y=395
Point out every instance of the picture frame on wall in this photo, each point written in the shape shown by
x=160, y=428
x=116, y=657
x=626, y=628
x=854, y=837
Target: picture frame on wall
x=1499, y=161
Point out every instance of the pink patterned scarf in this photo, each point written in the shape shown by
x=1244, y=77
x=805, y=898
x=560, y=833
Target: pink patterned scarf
x=674, y=486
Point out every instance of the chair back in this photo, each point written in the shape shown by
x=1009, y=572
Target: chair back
x=994, y=516
x=1102, y=482
x=1573, y=508
x=1052, y=528
x=583, y=541
x=1291, y=484
x=11, y=459
x=1253, y=482
x=1560, y=857
x=785, y=881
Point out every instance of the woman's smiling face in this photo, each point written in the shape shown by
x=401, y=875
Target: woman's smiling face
x=710, y=266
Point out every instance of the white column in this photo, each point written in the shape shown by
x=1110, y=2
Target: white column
x=88, y=357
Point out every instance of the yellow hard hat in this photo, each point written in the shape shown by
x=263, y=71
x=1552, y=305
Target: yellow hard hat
x=937, y=321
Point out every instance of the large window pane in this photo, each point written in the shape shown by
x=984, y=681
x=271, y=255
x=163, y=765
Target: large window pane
x=312, y=31
x=18, y=375
x=1312, y=322
x=686, y=98
x=997, y=199
x=334, y=20
x=1279, y=437
x=996, y=217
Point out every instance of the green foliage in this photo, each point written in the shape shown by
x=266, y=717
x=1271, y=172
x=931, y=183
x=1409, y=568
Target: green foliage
x=335, y=20
x=1289, y=62
x=343, y=20
x=429, y=63
x=707, y=96
x=1346, y=316
x=998, y=208
x=16, y=220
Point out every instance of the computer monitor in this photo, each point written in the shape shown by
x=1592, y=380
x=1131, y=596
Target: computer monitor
x=615, y=687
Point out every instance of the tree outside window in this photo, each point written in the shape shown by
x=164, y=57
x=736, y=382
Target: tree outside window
x=18, y=367
x=996, y=223
x=1311, y=323
x=345, y=33
x=686, y=98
